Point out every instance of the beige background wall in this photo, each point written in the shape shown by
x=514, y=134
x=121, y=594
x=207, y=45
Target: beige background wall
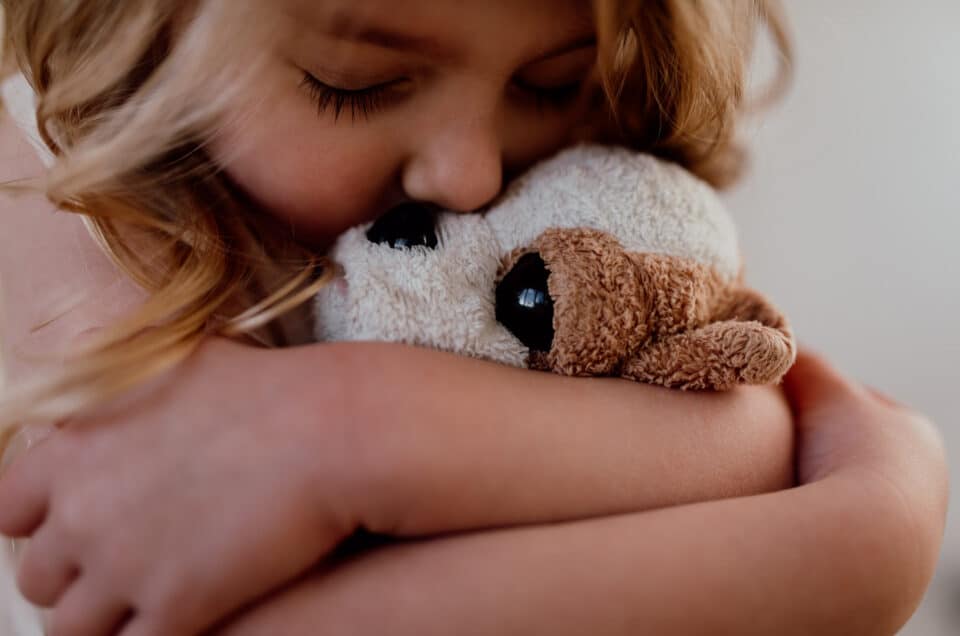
x=851, y=216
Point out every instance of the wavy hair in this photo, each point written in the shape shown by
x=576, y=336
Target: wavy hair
x=129, y=130
x=675, y=73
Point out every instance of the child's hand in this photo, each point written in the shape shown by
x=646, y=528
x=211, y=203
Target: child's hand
x=170, y=519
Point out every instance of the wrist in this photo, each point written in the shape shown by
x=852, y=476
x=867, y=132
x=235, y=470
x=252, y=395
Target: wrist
x=327, y=389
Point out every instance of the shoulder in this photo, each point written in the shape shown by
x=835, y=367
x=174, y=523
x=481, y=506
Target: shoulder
x=36, y=237
x=18, y=164
x=20, y=133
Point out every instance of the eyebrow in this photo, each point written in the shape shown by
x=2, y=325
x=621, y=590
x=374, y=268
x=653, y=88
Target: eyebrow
x=344, y=26
x=581, y=42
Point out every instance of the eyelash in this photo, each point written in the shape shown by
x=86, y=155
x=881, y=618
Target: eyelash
x=363, y=102
x=366, y=102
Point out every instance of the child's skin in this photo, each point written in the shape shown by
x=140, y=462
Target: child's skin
x=451, y=124
x=174, y=504
x=849, y=552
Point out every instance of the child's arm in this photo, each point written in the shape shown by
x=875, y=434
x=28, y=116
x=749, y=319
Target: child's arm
x=850, y=552
x=445, y=443
x=246, y=466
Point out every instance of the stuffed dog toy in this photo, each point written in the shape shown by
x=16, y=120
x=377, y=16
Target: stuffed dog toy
x=598, y=262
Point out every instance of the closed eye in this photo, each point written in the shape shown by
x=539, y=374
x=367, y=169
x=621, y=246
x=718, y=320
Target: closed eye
x=557, y=97
x=361, y=102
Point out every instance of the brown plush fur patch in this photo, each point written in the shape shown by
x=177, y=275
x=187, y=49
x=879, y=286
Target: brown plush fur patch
x=601, y=309
x=655, y=318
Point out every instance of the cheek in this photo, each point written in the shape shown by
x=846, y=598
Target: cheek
x=321, y=182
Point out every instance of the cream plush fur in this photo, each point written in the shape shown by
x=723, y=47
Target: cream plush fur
x=444, y=297
x=441, y=298
x=649, y=205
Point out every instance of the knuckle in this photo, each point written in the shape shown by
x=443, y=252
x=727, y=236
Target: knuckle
x=166, y=597
x=70, y=516
x=161, y=620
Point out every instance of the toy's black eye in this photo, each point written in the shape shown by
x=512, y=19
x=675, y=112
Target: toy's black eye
x=524, y=305
x=405, y=226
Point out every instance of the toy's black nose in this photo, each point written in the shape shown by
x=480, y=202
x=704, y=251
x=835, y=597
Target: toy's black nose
x=405, y=226
x=524, y=305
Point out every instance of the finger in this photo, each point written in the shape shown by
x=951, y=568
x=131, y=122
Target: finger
x=45, y=571
x=24, y=495
x=813, y=381
x=85, y=611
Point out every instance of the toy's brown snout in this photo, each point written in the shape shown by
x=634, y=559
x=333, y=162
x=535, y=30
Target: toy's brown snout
x=574, y=299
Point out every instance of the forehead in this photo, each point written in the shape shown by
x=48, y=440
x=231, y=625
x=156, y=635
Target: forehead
x=442, y=24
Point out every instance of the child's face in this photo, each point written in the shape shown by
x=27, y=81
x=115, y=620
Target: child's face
x=370, y=104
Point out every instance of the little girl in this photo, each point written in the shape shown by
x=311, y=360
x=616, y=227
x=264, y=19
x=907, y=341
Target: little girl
x=201, y=469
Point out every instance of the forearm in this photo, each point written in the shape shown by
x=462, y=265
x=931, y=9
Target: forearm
x=840, y=556
x=439, y=443
x=661, y=572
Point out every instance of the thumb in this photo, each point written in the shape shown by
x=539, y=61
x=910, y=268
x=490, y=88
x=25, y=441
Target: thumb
x=813, y=381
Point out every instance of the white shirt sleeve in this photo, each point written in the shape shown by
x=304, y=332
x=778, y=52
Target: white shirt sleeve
x=20, y=102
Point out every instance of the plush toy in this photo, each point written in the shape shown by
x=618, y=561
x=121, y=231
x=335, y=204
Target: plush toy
x=600, y=261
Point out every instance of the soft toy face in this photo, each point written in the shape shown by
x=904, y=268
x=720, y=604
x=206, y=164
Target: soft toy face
x=592, y=264
x=419, y=278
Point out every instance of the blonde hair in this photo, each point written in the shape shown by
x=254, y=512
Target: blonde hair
x=676, y=72
x=129, y=130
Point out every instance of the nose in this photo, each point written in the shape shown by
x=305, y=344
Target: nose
x=459, y=169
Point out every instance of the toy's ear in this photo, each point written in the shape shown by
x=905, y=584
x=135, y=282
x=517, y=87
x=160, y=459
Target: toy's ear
x=684, y=294
x=749, y=342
